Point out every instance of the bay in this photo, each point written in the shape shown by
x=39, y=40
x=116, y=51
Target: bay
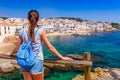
x=104, y=45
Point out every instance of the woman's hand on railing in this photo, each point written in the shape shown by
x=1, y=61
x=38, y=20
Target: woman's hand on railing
x=67, y=58
x=7, y=53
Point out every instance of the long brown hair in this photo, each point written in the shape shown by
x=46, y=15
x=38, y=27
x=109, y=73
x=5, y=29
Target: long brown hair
x=33, y=17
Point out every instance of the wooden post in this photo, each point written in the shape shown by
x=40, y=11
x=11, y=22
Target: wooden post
x=87, y=70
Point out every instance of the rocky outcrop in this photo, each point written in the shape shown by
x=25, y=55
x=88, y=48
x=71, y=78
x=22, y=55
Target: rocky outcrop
x=102, y=74
x=83, y=34
x=115, y=73
x=7, y=67
x=47, y=71
x=10, y=39
x=110, y=29
x=10, y=66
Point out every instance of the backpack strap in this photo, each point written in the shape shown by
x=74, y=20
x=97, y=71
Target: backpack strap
x=26, y=36
x=36, y=31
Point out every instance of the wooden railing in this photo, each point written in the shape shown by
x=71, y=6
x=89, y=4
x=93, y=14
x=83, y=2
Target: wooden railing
x=85, y=62
x=87, y=70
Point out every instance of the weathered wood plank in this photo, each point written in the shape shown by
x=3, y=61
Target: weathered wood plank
x=58, y=61
x=74, y=62
x=7, y=57
x=87, y=71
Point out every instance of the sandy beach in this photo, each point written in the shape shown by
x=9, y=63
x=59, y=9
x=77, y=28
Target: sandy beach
x=56, y=34
x=80, y=32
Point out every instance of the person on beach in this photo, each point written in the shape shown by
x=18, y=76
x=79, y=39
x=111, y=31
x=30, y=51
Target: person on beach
x=36, y=72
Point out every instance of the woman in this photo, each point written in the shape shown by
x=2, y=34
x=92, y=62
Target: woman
x=36, y=71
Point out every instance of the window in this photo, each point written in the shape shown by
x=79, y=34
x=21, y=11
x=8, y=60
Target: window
x=5, y=29
x=9, y=29
x=0, y=30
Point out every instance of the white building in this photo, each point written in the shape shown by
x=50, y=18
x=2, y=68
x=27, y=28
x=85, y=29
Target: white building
x=7, y=29
x=49, y=29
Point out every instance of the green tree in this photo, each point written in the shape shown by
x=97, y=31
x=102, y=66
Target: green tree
x=4, y=18
x=116, y=25
x=71, y=18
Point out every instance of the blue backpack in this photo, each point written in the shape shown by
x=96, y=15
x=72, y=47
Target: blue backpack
x=25, y=56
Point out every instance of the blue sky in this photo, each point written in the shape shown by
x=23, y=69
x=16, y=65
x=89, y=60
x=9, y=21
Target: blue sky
x=93, y=10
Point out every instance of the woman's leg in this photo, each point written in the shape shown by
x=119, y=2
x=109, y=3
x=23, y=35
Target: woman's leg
x=38, y=76
x=27, y=76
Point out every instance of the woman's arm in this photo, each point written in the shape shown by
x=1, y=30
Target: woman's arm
x=51, y=48
x=16, y=48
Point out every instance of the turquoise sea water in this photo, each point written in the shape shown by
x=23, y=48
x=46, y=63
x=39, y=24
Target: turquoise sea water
x=104, y=45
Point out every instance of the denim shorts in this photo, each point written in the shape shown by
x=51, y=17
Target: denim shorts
x=37, y=68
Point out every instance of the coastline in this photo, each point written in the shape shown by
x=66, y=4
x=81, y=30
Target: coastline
x=78, y=32
x=10, y=40
x=56, y=34
x=104, y=72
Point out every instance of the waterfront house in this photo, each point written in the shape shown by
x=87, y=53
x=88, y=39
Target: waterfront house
x=8, y=29
x=49, y=28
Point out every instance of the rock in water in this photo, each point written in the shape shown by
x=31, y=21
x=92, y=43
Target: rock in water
x=98, y=74
x=46, y=71
x=98, y=69
x=115, y=73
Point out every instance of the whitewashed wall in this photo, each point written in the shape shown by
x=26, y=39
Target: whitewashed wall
x=9, y=31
